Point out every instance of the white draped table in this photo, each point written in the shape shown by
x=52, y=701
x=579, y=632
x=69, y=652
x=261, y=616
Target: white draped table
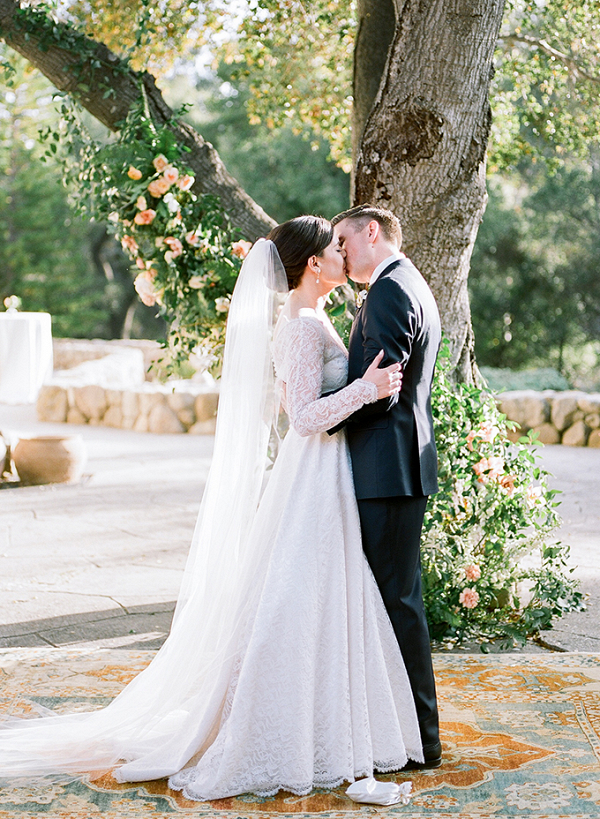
x=25, y=355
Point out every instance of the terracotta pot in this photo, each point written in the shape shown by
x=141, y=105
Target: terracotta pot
x=50, y=459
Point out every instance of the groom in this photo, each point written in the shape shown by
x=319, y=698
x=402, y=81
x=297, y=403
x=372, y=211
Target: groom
x=391, y=442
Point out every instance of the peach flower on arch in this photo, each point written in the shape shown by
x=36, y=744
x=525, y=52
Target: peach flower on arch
x=480, y=467
x=145, y=289
x=158, y=187
x=145, y=217
x=473, y=572
x=488, y=432
x=171, y=174
x=534, y=495
x=133, y=173
x=241, y=248
x=160, y=162
x=129, y=243
x=470, y=438
x=174, y=245
x=141, y=203
x=184, y=183
x=507, y=482
x=495, y=466
x=468, y=598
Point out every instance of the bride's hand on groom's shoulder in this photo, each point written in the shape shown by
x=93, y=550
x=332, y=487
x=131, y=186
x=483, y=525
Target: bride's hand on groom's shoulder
x=388, y=380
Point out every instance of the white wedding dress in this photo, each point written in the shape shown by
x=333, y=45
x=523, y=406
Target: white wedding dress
x=290, y=676
x=320, y=694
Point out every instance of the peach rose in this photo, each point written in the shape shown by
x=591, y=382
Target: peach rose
x=488, y=432
x=140, y=263
x=470, y=438
x=141, y=203
x=472, y=572
x=508, y=482
x=129, y=243
x=192, y=238
x=468, y=598
x=184, y=183
x=496, y=466
x=145, y=217
x=174, y=245
x=171, y=174
x=222, y=304
x=241, y=248
x=145, y=289
x=160, y=162
x=158, y=186
x=133, y=173
x=480, y=467
x=534, y=495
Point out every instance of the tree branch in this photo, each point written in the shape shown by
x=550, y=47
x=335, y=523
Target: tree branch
x=543, y=45
x=107, y=87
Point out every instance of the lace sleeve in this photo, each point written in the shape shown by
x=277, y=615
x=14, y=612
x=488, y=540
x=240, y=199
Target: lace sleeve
x=310, y=414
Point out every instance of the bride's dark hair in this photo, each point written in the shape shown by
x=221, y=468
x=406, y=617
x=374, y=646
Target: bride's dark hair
x=298, y=240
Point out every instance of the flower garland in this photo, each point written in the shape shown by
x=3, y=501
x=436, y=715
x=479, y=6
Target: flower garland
x=181, y=243
x=489, y=572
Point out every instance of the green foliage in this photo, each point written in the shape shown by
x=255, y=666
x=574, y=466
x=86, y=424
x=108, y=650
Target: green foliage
x=181, y=243
x=296, y=58
x=288, y=173
x=46, y=252
x=543, y=378
x=534, y=287
x=544, y=94
x=152, y=34
x=489, y=573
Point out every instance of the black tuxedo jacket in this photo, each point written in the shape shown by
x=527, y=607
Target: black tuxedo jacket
x=391, y=441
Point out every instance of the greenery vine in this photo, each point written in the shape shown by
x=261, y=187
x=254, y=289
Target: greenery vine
x=490, y=572
x=181, y=244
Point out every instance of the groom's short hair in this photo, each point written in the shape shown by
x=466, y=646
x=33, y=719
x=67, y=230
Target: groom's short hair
x=361, y=215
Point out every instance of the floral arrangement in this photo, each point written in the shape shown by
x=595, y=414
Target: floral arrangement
x=12, y=304
x=489, y=573
x=186, y=260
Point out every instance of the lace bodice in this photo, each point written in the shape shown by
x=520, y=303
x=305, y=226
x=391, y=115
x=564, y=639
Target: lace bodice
x=311, y=362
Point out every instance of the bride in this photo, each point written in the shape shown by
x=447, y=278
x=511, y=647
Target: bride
x=281, y=670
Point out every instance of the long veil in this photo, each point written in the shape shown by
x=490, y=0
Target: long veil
x=155, y=725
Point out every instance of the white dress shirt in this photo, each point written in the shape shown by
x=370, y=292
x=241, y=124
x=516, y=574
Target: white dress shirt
x=382, y=266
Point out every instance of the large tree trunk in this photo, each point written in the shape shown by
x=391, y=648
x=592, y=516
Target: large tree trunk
x=107, y=88
x=423, y=147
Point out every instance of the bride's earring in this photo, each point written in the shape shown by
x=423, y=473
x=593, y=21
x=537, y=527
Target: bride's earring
x=318, y=276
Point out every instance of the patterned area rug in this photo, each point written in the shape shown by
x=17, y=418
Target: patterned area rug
x=521, y=736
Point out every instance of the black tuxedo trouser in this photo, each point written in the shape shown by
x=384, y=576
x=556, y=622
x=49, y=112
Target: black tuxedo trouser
x=391, y=535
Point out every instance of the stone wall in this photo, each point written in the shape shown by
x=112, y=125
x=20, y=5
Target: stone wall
x=175, y=407
x=71, y=352
x=570, y=417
